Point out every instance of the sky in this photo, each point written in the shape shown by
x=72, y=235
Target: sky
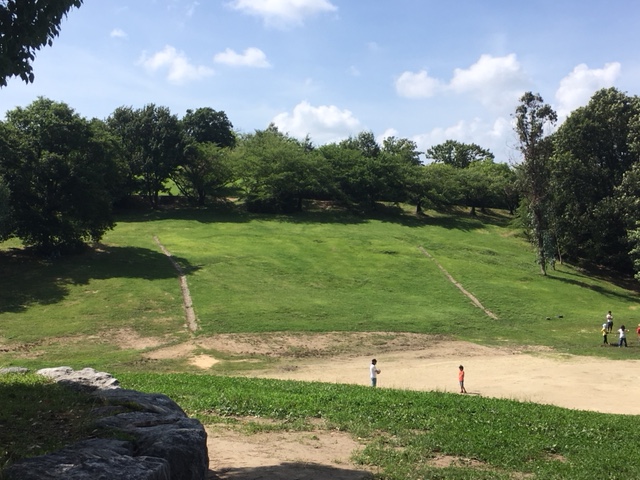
x=424, y=70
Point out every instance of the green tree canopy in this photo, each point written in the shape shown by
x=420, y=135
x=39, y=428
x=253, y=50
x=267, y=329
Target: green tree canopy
x=205, y=125
x=58, y=174
x=276, y=172
x=533, y=120
x=25, y=27
x=457, y=154
x=154, y=145
x=205, y=171
x=594, y=150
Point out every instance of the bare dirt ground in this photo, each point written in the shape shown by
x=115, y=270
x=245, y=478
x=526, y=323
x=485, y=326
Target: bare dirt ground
x=407, y=361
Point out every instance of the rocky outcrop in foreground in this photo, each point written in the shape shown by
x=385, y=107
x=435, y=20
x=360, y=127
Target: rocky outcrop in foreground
x=162, y=442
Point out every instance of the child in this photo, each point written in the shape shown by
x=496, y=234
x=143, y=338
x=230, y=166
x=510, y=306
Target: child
x=623, y=336
x=609, y=321
x=461, y=379
x=373, y=372
x=604, y=334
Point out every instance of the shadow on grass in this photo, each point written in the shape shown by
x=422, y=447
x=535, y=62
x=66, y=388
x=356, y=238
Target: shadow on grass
x=27, y=280
x=630, y=295
x=454, y=219
x=290, y=470
x=60, y=415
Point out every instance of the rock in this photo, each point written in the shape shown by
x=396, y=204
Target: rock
x=13, y=370
x=165, y=444
x=85, y=379
x=96, y=459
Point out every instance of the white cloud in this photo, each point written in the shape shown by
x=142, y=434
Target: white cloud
x=577, y=88
x=353, y=71
x=191, y=8
x=179, y=69
x=417, y=85
x=283, y=13
x=324, y=124
x=389, y=132
x=251, y=57
x=118, y=33
x=494, y=81
x=497, y=136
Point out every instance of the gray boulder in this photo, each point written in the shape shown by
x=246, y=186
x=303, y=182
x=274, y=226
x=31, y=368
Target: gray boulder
x=165, y=444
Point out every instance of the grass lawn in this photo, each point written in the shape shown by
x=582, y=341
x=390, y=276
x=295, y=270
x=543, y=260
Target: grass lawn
x=322, y=272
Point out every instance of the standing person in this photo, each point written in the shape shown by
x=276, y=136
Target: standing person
x=461, y=379
x=609, y=321
x=604, y=331
x=373, y=372
x=623, y=336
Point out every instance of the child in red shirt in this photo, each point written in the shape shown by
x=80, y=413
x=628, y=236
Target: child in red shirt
x=461, y=379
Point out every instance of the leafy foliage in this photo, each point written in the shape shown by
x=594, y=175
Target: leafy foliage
x=458, y=154
x=205, y=125
x=57, y=173
x=276, y=172
x=153, y=143
x=533, y=118
x=25, y=27
x=205, y=171
x=593, y=152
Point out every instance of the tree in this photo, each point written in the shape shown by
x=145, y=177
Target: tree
x=477, y=185
x=25, y=27
x=154, y=145
x=276, y=172
x=366, y=173
x=5, y=212
x=205, y=168
x=58, y=176
x=205, y=125
x=365, y=143
x=533, y=117
x=404, y=149
x=434, y=186
x=594, y=149
x=457, y=154
x=205, y=171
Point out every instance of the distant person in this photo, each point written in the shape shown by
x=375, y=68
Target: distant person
x=622, y=332
x=604, y=331
x=461, y=379
x=373, y=372
x=609, y=322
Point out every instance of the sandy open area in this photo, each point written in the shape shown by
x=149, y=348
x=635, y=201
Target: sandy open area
x=530, y=374
x=583, y=383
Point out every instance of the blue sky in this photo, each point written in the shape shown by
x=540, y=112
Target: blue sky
x=419, y=69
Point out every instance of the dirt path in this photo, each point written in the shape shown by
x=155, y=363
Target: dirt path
x=469, y=295
x=187, y=303
x=530, y=374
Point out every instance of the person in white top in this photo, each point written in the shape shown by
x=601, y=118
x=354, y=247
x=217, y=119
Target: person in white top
x=609, y=321
x=622, y=332
x=373, y=372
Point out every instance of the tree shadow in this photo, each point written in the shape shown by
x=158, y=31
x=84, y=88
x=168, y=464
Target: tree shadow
x=291, y=470
x=27, y=280
x=323, y=213
x=631, y=295
x=615, y=278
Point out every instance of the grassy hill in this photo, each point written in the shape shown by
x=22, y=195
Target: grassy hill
x=313, y=272
x=330, y=271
